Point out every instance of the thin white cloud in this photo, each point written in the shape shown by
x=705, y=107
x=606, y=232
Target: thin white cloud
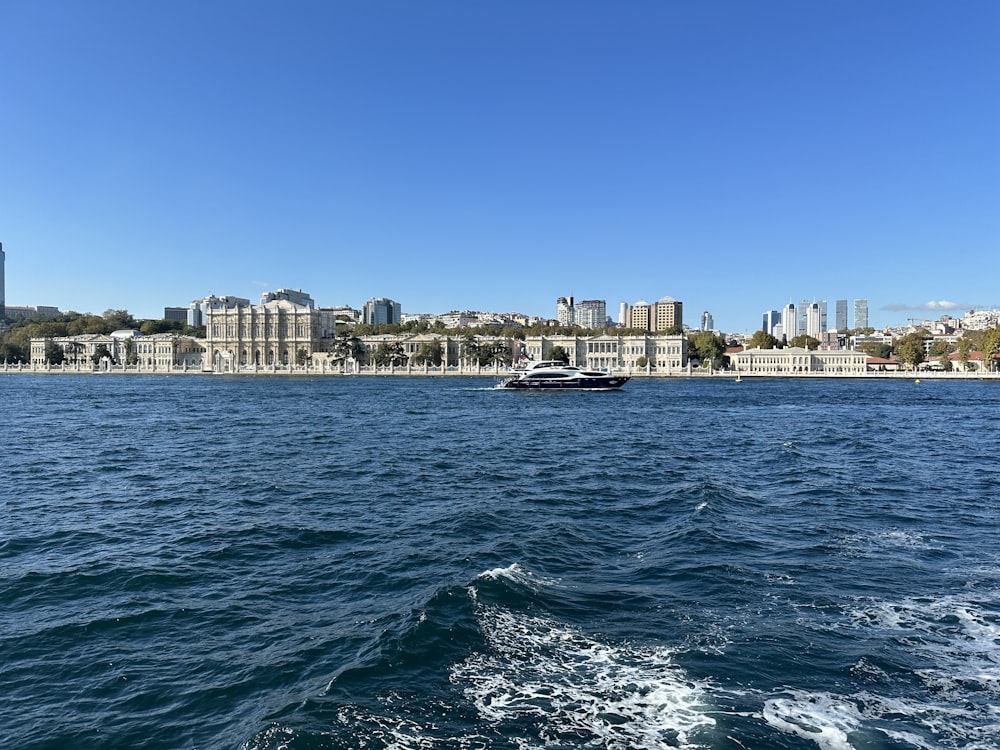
x=942, y=305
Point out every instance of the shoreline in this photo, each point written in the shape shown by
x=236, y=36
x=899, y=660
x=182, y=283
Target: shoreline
x=298, y=372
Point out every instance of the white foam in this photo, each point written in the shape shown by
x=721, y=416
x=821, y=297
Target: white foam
x=875, y=543
x=576, y=688
x=825, y=719
x=956, y=642
x=515, y=573
x=959, y=640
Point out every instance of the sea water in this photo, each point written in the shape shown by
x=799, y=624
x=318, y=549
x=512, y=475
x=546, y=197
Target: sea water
x=268, y=562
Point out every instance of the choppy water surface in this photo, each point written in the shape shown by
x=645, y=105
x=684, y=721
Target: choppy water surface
x=206, y=562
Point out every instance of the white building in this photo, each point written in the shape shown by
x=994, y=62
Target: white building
x=591, y=313
x=162, y=352
x=565, y=313
x=276, y=333
x=789, y=322
x=814, y=321
x=799, y=361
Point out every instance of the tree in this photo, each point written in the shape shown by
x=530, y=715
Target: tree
x=875, y=349
x=964, y=347
x=427, y=352
x=10, y=352
x=559, y=354
x=910, y=349
x=804, y=342
x=119, y=319
x=101, y=352
x=496, y=352
x=389, y=353
x=54, y=353
x=762, y=340
x=131, y=356
x=301, y=356
x=707, y=348
x=939, y=348
x=470, y=349
x=347, y=346
x=642, y=363
x=990, y=347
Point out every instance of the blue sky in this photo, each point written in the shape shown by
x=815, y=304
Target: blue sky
x=732, y=154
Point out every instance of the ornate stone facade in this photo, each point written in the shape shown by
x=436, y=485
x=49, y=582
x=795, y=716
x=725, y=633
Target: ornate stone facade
x=276, y=333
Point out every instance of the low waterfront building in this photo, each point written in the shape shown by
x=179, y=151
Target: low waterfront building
x=126, y=348
x=797, y=360
x=608, y=352
x=167, y=351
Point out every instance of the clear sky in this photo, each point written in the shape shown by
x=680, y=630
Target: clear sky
x=495, y=155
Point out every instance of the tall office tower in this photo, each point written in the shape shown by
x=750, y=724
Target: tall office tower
x=622, y=313
x=564, y=311
x=841, y=315
x=381, y=311
x=789, y=322
x=3, y=304
x=770, y=319
x=860, y=313
x=803, y=309
x=707, y=324
x=591, y=313
x=823, y=307
x=814, y=321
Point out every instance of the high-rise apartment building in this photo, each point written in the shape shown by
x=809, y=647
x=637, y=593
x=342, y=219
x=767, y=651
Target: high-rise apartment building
x=381, y=311
x=591, y=313
x=669, y=314
x=789, y=322
x=638, y=316
x=841, y=320
x=662, y=315
x=860, y=313
x=565, y=312
x=814, y=320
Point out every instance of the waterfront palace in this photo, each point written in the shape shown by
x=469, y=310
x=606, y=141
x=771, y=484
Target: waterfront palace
x=283, y=334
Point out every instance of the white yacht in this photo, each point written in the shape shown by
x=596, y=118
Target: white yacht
x=556, y=375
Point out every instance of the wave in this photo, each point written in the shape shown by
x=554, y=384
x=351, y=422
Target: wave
x=466, y=670
x=934, y=682
x=569, y=686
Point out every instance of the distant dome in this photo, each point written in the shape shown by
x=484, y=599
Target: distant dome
x=666, y=299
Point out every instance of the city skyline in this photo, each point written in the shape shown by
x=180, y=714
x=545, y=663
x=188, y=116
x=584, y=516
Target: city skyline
x=456, y=156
